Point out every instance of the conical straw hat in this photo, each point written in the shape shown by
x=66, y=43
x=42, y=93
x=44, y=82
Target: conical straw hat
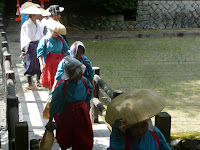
x=57, y=27
x=29, y=4
x=135, y=106
x=32, y=10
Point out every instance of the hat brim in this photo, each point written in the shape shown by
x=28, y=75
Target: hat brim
x=57, y=27
x=61, y=9
x=32, y=10
x=46, y=13
x=29, y=4
x=135, y=106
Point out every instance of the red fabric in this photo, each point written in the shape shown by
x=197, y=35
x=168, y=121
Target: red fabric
x=61, y=41
x=51, y=64
x=156, y=138
x=86, y=64
x=88, y=92
x=87, y=89
x=64, y=88
x=133, y=143
x=74, y=127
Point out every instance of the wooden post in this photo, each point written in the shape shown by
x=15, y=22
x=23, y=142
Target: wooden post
x=117, y=93
x=104, y=86
x=1, y=20
x=3, y=35
x=99, y=106
x=1, y=27
x=95, y=114
x=4, y=49
x=10, y=88
x=34, y=144
x=7, y=56
x=21, y=136
x=163, y=123
x=4, y=44
x=12, y=118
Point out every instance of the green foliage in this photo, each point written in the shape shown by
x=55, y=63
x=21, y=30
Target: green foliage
x=1, y=4
x=115, y=6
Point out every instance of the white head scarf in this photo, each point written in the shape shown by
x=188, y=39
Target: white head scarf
x=72, y=68
x=74, y=48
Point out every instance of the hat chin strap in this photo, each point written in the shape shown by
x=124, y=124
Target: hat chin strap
x=150, y=124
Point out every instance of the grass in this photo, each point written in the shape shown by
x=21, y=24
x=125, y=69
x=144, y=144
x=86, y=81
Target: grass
x=168, y=65
x=186, y=135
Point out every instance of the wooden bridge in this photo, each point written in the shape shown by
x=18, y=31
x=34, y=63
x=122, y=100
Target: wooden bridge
x=29, y=104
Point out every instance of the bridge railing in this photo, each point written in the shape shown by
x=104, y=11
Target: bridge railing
x=16, y=129
x=99, y=105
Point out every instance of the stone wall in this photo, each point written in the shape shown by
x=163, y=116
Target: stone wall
x=112, y=22
x=150, y=15
x=168, y=14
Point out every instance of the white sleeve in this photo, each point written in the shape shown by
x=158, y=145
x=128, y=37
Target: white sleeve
x=25, y=37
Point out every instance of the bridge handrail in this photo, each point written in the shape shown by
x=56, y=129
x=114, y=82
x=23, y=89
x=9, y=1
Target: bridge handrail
x=10, y=98
x=162, y=120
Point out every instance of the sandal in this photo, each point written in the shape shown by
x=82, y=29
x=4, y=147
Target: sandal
x=38, y=84
x=31, y=87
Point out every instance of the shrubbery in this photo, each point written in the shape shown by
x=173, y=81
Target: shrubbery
x=1, y=4
x=115, y=6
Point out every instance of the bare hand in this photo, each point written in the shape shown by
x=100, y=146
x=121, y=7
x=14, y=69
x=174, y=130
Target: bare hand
x=23, y=58
x=42, y=68
x=50, y=125
x=123, y=124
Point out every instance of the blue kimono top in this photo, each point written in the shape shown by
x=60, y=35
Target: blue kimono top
x=147, y=142
x=89, y=72
x=74, y=93
x=24, y=18
x=48, y=44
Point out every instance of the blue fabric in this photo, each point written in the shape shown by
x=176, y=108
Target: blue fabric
x=53, y=45
x=89, y=72
x=147, y=142
x=118, y=140
x=74, y=93
x=32, y=65
x=60, y=69
x=24, y=17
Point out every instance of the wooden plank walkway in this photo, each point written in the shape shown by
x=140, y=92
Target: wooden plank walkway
x=32, y=102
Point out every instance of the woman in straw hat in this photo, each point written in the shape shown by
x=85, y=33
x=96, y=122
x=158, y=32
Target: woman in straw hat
x=77, y=50
x=24, y=17
x=50, y=51
x=129, y=114
x=31, y=33
x=73, y=124
x=54, y=13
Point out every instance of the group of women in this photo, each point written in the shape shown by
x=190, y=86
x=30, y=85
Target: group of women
x=68, y=75
x=65, y=71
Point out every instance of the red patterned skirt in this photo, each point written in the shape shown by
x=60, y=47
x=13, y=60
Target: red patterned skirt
x=74, y=127
x=50, y=68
